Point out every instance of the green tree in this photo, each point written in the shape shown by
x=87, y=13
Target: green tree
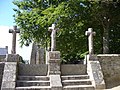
x=73, y=18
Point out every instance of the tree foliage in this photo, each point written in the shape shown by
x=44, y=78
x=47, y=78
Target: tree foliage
x=73, y=18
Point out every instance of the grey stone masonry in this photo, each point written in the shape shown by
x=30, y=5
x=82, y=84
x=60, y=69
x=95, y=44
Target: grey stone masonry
x=1, y=72
x=54, y=62
x=55, y=82
x=9, y=76
x=110, y=64
x=95, y=72
x=32, y=69
x=73, y=69
x=12, y=58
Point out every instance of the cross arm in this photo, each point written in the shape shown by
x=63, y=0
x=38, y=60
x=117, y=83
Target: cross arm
x=11, y=31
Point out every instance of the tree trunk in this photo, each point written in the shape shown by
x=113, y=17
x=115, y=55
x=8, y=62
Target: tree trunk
x=106, y=39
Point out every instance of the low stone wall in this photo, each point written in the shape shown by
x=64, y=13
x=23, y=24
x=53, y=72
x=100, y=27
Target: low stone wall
x=32, y=69
x=73, y=69
x=110, y=64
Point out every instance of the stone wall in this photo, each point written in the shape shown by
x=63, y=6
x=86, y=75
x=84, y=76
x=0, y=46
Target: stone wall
x=32, y=69
x=2, y=58
x=110, y=64
x=73, y=69
x=9, y=76
x=1, y=72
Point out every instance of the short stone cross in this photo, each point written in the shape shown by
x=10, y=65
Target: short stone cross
x=90, y=35
x=14, y=31
x=53, y=37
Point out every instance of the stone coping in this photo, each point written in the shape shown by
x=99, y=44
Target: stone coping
x=108, y=55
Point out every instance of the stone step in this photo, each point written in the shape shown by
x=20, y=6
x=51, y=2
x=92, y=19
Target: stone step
x=34, y=88
x=79, y=87
x=74, y=77
x=21, y=83
x=76, y=82
x=41, y=78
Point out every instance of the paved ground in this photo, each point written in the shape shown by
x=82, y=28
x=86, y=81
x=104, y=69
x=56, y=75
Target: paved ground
x=115, y=88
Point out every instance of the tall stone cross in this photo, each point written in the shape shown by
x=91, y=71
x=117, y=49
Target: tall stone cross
x=14, y=31
x=90, y=35
x=53, y=37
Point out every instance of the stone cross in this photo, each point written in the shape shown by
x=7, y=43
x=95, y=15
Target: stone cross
x=53, y=37
x=90, y=35
x=14, y=31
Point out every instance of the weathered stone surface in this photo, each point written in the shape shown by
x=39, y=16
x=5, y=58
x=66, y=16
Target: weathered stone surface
x=8, y=85
x=97, y=74
x=12, y=58
x=73, y=69
x=14, y=31
x=54, y=55
x=9, y=76
x=53, y=31
x=55, y=81
x=40, y=56
x=90, y=34
x=32, y=69
x=11, y=66
x=53, y=62
x=110, y=64
x=33, y=54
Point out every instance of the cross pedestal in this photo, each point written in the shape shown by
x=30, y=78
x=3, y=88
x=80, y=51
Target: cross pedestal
x=14, y=31
x=53, y=37
x=90, y=35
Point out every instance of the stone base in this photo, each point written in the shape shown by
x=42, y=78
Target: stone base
x=12, y=58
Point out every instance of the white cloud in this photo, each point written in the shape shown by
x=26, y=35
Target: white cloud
x=6, y=40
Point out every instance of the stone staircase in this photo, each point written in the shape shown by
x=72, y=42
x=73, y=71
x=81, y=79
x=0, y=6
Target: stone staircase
x=77, y=82
x=32, y=77
x=1, y=72
x=33, y=83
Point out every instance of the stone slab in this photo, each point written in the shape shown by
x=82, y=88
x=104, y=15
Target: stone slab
x=97, y=74
x=55, y=81
x=32, y=69
x=73, y=69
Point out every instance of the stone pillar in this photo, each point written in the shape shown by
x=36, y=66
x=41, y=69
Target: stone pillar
x=54, y=70
x=55, y=82
x=54, y=63
x=94, y=70
x=40, y=56
x=9, y=76
x=90, y=34
x=33, y=54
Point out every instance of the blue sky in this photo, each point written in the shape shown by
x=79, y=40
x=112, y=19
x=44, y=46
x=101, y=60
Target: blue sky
x=6, y=22
x=6, y=12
